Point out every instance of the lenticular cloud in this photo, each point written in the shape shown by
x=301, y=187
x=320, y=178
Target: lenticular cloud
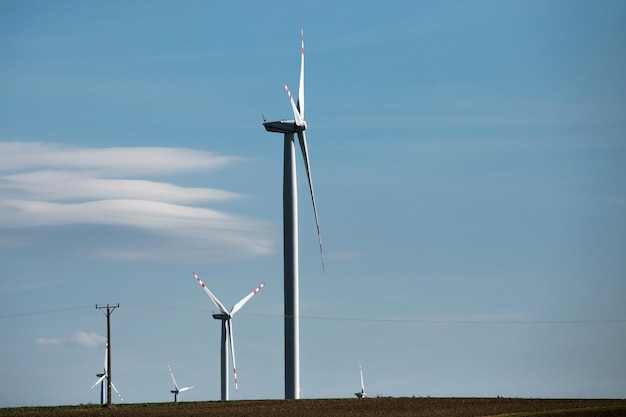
x=113, y=162
x=45, y=186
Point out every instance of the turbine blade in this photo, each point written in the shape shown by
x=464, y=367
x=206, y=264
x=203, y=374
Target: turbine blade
x=186, y=389
x=118, y=393
x=217, y=303
x=232, y=349
x=244, y=300
x=106, y=357
x=361, y=372
x=301, y=89
x=305, y=155
x=173, y=379
x=296, y=113
x=98, y=381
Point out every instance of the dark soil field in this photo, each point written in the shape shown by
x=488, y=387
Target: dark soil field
x=388, y=407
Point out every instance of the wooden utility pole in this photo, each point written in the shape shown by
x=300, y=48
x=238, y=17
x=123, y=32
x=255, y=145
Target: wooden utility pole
x=109, y=310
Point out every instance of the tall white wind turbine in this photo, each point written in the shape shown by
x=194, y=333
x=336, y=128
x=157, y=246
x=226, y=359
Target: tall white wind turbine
x=227, y=330
x=362, y=393
x=105, y=374
x=177, y=390
x=290, y=230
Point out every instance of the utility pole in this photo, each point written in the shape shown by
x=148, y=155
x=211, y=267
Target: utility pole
x=109, y=310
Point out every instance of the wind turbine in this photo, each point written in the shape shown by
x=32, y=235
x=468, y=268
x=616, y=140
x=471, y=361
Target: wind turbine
x=176, y=390
x=290, y=230
x=362, y=393
x=105, y=374
x=227, y=328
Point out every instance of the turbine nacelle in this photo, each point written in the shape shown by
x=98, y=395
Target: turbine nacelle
x=284, y=126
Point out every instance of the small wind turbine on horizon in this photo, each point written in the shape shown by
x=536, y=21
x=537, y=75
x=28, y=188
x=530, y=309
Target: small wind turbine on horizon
x=227, y=330
x=105, y=374
x=290, y=229
x=362, y=393
x=176, y=391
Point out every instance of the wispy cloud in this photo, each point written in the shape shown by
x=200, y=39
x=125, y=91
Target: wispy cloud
x=71, y=185
x=113, y=162
x=83, y=339
x=46, y=186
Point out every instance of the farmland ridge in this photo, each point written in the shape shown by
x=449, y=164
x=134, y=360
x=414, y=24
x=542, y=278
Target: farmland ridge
x=369, y=407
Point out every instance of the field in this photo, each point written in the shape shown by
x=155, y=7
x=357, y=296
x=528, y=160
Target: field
x=370, y=407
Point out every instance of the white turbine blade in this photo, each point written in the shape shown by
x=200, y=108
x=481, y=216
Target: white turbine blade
x=301, y=89
x=173, y=379
x=232, y=349
x=185, y=389
x=296, y=113
x=98, y=381
x=361, y=372
x=217, y=303
x=118, y=393
x=105, y=374
x=305, y=155
x=106, y=358
x=244, y=300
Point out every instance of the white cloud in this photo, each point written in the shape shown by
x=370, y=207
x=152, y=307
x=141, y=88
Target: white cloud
x=49, y=342
x=88, y=339
x=46, y=185
x=83, y=339
x=108, y=161
x=71, y=185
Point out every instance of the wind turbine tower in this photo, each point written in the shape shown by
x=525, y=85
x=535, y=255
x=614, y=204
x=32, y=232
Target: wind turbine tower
x=227, y=333
x=290, y=230
x=100, y=375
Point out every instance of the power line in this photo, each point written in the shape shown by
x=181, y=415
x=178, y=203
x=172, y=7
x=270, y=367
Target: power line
x=334, y=318
x=421, y=321
x=166, y=308
x=388, y=320
x=33, y=313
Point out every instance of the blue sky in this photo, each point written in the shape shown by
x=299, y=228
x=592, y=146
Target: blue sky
x=469, y=164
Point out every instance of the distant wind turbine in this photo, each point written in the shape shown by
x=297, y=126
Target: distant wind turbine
x=227, y=329
x=105, y=374
x=362, y=393
x=176, y=390
x=290, y=230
